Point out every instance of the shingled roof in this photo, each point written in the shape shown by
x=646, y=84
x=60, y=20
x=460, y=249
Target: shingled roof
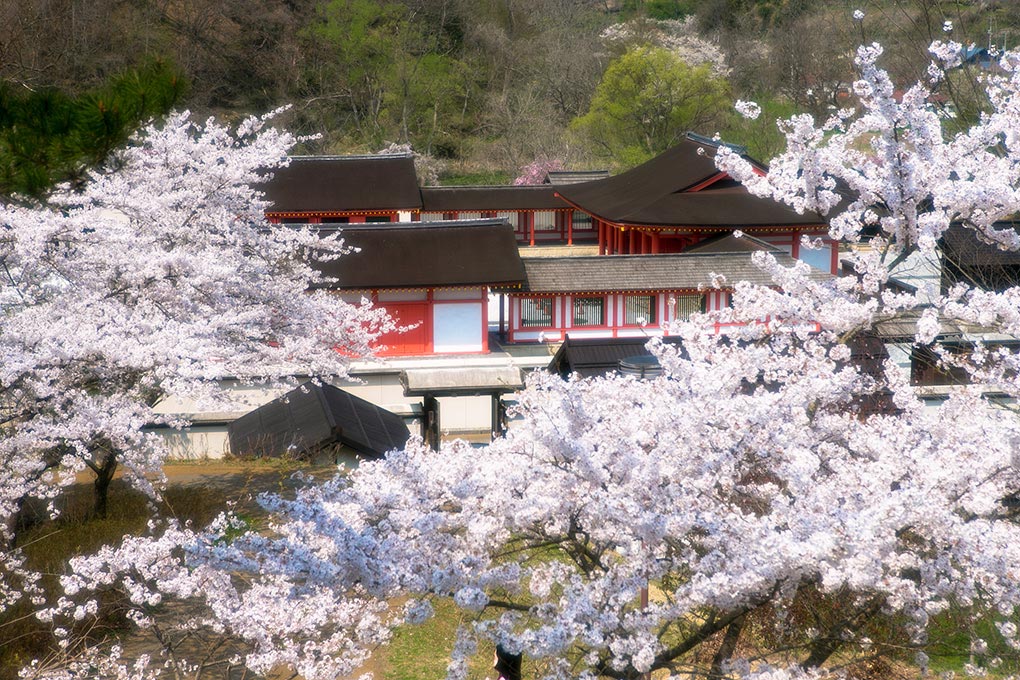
x=491, y=198
x=312, y=417
x=344, y=184
x=427, y=255
x=685, y=271
x=660, y=193
x=589, y=357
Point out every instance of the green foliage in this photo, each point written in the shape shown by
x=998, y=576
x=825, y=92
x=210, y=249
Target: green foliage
x=645, y=103
x=761, y=136
x=659, y=9
x=48, y=136
x=392, y=77
x=730, y=14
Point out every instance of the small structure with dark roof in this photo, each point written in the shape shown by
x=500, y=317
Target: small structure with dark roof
x=316, y=418
x=591, y=357
x=561, y=177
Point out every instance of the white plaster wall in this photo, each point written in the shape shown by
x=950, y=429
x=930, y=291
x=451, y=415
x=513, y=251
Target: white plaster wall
x=196, y=442
x=819, y=258
x=457, y=327
x=535, y=336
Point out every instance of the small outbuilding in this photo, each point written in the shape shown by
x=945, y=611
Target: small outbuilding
x=315, y=419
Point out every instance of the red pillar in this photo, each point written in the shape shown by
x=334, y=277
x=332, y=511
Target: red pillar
x=569, y=215
x=632, y=242
x=655, y=244
x=602, y=239
x=531, y=227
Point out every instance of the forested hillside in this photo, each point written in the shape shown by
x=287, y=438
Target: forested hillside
x=486, y=85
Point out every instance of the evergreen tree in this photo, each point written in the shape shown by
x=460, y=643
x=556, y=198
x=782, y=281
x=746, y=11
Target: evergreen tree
x=48, y=136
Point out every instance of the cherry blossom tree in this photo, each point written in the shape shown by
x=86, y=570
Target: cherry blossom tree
x=750, y=513
x=537, y=171
x=159, y=277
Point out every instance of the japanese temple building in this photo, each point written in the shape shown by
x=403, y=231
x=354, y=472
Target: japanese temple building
x=487, y=281
x=631, y=295
x=680, y=198
x=666, y=205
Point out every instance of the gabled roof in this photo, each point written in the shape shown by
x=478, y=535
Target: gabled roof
x=426, y=255
x=311, y=417
x=589, y=357
x=344, y=184
x=491, y=198
x=624, y=273
x=680, y=188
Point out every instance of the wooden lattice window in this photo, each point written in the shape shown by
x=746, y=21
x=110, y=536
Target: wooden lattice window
x=536, y=312
x=638, y=309
x=589, y=311
x=685, y=305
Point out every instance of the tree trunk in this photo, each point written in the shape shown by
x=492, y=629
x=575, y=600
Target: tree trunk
x=726, y=649
x=104, y=475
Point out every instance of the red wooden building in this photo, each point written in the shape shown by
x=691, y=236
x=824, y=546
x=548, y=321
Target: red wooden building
x=630, y=295
x=432, y=278
x=536, y=213
x=679, y=198
x=662, y=228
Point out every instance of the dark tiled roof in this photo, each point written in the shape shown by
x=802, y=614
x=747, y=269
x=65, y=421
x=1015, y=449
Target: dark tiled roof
x=311, y=417
x=426, y=255
x=344, y=184
x=656, y=193
x=589, y=357
x=610, y=273
x=560, y=177
x=961, y=246
x=491, y=198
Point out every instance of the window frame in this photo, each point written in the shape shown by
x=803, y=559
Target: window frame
x=538, y=300
x=651, y=319
x=573, y=311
